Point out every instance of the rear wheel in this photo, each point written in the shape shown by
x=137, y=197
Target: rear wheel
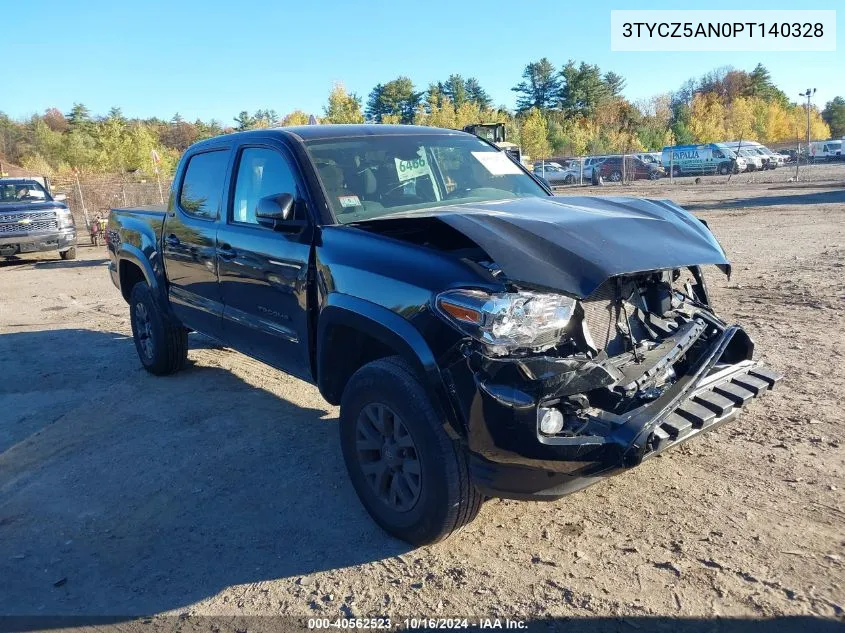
x=676, y=171
x=162, y=346
x=408, y=473
x=615, y=176
x=69, y=253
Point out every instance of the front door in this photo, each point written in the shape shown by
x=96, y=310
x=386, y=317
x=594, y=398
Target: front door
x=189, y=242
x=264, y=272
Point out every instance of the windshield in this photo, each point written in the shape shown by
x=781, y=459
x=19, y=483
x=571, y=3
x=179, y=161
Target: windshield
x=17, y=192
x=373, y=176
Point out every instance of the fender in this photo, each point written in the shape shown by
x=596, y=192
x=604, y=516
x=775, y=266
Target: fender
x=155, y=279
x=395, y=332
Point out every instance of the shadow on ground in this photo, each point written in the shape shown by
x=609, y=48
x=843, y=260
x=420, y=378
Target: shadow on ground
x=125, y=494
x=824, y=197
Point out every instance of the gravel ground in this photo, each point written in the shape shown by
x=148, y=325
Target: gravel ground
x=221, y=490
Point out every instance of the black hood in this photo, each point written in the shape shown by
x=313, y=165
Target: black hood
x=574, y=244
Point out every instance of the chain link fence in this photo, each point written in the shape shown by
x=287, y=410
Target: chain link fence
x=92, y=196
x=561, y=172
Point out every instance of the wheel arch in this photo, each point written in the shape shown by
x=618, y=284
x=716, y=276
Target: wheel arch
x=352, y=332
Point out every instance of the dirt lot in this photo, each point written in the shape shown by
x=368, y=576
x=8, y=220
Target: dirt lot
x=221, y=490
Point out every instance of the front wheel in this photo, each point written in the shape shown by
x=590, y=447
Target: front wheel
x=615, y=176
x=654, y=175
x=69, y=253
x=408, y=473
x=161, y=345
x=724, y=169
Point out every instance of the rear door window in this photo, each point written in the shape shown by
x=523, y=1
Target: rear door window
x=201, y=193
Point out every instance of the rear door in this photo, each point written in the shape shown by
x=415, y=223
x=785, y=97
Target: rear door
x=189, y=240
x=264, y=272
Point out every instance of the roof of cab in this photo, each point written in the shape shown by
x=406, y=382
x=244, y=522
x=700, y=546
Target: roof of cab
x=320, y=132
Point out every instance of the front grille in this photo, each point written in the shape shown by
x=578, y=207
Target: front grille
x=27, y=215
x=30, y=227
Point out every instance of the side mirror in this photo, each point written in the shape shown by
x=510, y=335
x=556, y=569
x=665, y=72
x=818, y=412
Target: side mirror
x=60, y=197
x=275, y=211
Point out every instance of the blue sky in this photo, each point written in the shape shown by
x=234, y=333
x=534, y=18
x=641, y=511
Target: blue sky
x=212, y=59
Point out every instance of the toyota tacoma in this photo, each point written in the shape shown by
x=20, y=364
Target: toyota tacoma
x=483, y=337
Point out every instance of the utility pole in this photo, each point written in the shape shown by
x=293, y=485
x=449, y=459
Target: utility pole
x=809, y=93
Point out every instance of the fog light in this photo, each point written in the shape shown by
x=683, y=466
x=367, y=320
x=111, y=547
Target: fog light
x=551, y=421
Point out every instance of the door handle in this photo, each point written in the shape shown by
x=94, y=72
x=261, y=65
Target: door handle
x=224, y=251
x=172, y=240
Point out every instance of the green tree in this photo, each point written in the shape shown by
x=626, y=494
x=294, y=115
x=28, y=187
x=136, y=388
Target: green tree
x=477, y=95
x=539, y=88
x=583, y=89
x=455, y=88
x=615, y=84
x=397, y=99
x=834, y=115
x=343, y=107
x=79, y=118
x=244, y=121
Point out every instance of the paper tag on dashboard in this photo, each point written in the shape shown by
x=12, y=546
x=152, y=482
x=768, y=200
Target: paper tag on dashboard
x=409, y=169
x=349, y=201
x=497, y=163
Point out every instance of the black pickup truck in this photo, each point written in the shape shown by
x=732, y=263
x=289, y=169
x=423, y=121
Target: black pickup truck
x=481, y=336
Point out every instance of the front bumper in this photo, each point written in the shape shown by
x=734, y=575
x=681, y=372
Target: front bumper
x=37, y=242
x=510, y=458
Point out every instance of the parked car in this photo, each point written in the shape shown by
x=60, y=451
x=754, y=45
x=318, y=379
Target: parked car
x=629, y=167
x=752, y=158
x=769, y=159
x=590, y=162
x=482, y=337
x=33, y=220
x=708, y=158
x=556, y=175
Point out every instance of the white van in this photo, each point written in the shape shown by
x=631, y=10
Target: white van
x=826, y=150
x=708, y=158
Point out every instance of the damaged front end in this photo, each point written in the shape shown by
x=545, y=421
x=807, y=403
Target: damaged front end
x=559, y=392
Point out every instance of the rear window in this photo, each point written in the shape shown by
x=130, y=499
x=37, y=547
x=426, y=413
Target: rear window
x=202, y=186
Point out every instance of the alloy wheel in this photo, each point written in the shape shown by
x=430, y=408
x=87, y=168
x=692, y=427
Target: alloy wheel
x=388, y=457
x=144, y=330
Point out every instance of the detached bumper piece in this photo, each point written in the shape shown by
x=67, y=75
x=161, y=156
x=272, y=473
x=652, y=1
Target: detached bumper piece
x=711, y=405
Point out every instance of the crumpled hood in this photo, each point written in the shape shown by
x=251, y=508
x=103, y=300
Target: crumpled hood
x=574, y=244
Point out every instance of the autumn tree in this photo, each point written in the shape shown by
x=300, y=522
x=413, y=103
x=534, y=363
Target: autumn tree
x=343, y=107
x=534, y=133
x=297, y=117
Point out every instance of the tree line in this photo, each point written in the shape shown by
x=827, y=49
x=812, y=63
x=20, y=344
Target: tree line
x=573, y=110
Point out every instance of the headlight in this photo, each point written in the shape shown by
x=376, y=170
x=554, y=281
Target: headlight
x=65, y=218
x=508, y=321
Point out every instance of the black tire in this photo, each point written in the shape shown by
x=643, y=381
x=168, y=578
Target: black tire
x=569, y=179
x=446, y=499
x=676, y=171
x=654, y=175
x=69, y=253
x=162, y=346
x=724, y=168
x=615, y=176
